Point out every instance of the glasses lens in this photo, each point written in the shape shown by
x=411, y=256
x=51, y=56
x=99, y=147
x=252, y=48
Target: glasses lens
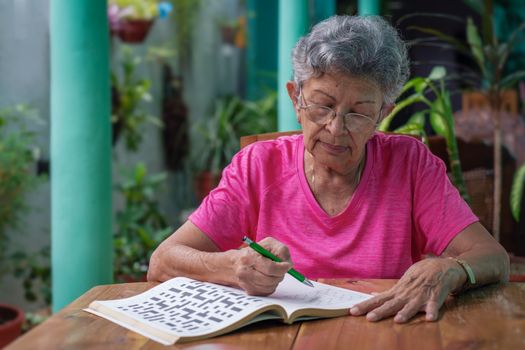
x=354, y=121
x=319, y=114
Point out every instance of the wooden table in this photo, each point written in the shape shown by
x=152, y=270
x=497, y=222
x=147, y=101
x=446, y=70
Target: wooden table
x=491, y=317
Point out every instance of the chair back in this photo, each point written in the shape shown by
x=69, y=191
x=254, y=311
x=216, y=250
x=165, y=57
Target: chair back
x=246, y=140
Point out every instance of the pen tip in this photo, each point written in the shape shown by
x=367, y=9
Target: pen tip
x=308, y=283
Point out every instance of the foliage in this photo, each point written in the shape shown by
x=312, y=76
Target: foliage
x=516, y=193
x=17, y=156
x=218, y=137
x=140, y=225
x=489, y=54
x=129, y=92
x=137, y=9
x=185, y=13
x=35, y=271
x=439, y=113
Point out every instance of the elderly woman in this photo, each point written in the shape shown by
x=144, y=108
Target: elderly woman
x=341, y=200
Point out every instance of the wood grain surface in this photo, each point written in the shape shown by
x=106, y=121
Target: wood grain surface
x=491, y=317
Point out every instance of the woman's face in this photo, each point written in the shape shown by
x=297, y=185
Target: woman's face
x=336, y=144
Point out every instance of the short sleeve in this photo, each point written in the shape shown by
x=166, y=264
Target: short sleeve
x=439, y=211
x=228, y=212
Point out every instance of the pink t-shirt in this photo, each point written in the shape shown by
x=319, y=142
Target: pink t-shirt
x=404, y=207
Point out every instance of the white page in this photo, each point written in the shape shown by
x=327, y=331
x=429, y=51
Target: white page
x=294, y=295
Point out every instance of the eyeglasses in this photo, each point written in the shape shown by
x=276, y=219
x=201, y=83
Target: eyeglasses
x=322, y=115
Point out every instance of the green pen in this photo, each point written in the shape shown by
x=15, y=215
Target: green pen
x=296, y=274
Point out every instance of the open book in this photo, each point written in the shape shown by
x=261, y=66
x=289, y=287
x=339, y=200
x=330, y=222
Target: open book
x=183, y=309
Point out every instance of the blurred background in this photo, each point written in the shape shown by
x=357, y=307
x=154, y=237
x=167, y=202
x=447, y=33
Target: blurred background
x=188, y=78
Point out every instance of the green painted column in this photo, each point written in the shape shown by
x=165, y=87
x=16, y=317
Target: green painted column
x=261, y=50
x=293, y=23
x=368, y=7
x=323, y=9
x=81, y=242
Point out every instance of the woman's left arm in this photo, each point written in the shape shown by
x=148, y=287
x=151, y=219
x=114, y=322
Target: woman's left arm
x=427, y=283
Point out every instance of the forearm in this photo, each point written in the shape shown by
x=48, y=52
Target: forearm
x=489, y=265
x=179, y=260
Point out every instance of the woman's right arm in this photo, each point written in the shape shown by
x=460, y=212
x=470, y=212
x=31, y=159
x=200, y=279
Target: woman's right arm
x=189, y=252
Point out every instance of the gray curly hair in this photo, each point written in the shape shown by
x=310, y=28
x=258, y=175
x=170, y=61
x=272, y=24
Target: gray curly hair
x=365, y=47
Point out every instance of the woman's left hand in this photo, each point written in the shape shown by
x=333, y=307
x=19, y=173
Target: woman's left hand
x=423, y=287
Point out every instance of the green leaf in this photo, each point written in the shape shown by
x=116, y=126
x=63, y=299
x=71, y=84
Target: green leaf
x=437, y=73
x=411, y=129
x=438, y=123
x=414, y=98
x=511, y=79
x=461, y=47
x=516, y=193
x=476, y=46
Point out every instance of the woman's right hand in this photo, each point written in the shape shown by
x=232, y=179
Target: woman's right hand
x=258, y=275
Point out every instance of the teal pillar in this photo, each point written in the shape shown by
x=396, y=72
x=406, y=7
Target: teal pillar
x=261, y=50
x=368, y=7
x=81, y=242
x=293, y=23
x=323, y=9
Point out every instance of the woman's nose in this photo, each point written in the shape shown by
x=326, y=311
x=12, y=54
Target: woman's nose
x=336, y=125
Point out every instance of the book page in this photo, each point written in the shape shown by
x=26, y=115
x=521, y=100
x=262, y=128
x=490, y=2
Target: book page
x=184, y=307
x=294, y=295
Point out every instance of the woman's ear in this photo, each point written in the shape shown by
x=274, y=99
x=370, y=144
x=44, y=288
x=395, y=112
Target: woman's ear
x=292, y=93
x=291, y=87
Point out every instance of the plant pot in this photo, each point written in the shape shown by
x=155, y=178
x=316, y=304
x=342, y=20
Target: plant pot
x=134, y=30
x=11, y=319
x=228, y=34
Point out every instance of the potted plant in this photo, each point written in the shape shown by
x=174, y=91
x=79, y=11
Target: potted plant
x=131, y=20
x=141, y=226
x=439, y=113
x=217, y=138
x=128, y=92
x=17, y=158
x=490, y=55
x=234, y=32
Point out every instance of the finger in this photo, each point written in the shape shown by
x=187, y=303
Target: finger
x=370, y=304
x=272, y=268
x=433, y=305
x=256, y=283
x=409, y=310
x=276, y=248
x=388, y=309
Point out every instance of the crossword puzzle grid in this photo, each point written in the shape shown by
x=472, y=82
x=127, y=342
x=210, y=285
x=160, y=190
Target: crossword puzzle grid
x=191, y=307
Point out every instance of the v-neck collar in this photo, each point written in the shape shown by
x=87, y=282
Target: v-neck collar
x=356, y=196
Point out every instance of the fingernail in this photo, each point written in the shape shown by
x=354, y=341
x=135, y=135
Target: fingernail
x=371, y=316
x=431, y=317
x=354, y=311
x=399, y=318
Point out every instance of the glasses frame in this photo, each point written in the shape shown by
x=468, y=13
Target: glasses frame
x=333, y=113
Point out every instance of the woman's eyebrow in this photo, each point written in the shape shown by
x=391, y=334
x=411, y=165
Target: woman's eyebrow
x=324, y=93
x=365, y=101
x=334, y=99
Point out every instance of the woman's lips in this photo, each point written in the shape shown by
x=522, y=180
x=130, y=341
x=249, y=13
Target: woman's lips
x=333, y=148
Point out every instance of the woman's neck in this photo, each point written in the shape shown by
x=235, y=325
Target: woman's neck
x=319, y=174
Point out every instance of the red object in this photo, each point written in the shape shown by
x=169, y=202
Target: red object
x=204, y=183
x=11, y=319
x=133, y=30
